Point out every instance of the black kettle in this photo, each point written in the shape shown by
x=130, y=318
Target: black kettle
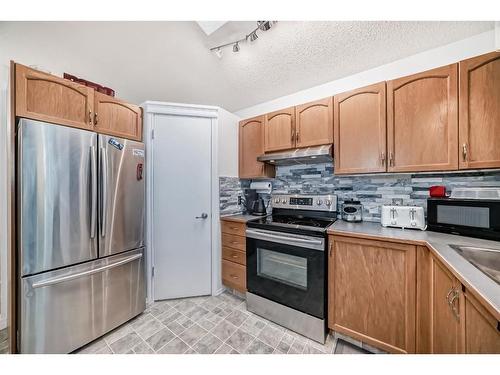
x=258, y=207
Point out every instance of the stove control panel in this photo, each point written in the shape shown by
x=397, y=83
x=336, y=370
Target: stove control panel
x=306, y=202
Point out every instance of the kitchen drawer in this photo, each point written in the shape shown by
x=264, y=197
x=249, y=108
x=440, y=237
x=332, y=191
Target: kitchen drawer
x=234, y=275
x=234, y=242
x=234, y=255
x=232, y=227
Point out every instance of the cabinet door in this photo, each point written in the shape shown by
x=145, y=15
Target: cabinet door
x=45, y=97
x=480, y=112
x=482, y=330
x=314, y=123
x=360, y=130
x=251, y=145
x=279, y=130
x=422, y=121
x=116, y=117
x=446, y=299
x=371, y=286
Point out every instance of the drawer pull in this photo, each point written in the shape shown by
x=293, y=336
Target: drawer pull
x=234, y=256
x=234, y=276
x=233, y=228
x=234, y=242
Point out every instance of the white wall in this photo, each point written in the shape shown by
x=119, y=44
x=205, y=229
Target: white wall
x=227, y=143
x=448, y=54
x=4, y=74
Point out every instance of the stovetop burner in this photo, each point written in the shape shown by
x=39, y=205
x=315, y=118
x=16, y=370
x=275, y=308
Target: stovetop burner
x=299, y=220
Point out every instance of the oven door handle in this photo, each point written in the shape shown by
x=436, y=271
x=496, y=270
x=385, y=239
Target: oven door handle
x=292, y=239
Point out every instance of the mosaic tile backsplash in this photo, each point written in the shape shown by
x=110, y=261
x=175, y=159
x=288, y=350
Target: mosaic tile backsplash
x=372, y=190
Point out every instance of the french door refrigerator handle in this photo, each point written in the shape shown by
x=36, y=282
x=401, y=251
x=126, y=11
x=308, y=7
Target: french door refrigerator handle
x=93, y=205
x=104, y=189
x=58, y=280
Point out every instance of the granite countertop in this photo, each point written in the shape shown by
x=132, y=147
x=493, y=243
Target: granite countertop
x=240, y=218
x=480, y=285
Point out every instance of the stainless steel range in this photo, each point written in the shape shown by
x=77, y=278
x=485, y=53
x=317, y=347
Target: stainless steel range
x=287, y=264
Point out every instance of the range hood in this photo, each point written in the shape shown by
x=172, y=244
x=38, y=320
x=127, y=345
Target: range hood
x=308, y=155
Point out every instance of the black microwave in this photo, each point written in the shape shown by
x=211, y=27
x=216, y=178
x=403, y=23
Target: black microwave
x=467, y=217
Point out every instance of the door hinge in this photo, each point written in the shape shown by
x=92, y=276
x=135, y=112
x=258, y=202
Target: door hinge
x=152, y=134
x=152, y=272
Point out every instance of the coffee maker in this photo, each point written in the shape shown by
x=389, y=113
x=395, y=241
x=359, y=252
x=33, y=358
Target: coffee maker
x=253, y=203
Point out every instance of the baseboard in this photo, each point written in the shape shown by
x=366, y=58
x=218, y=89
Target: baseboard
x=3, y=323
x=219, y=291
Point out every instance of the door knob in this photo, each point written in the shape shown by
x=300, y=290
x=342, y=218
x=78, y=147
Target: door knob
x=203, y=216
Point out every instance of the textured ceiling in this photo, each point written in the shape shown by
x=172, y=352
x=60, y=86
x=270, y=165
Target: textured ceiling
x=170, y=61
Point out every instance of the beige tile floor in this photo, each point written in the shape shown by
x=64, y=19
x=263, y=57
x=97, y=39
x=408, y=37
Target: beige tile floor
x=208, y=325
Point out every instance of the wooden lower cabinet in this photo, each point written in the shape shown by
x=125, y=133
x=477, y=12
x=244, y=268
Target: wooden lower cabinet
x=372, y=292
x=233, y=267
x=481, y=331
x=446, y=300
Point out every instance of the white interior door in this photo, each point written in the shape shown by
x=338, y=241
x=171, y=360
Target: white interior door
x=181, y=199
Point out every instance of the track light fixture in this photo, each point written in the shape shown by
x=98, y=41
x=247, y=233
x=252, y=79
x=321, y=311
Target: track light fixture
x=252, y=37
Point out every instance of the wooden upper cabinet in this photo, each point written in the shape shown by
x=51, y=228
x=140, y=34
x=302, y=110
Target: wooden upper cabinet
x=279, y=130
x=446, y=300
x=422, y=121
x=115, y=117
x=360, y=130
x=314, y=123
x=481, y=331
x=251, y=145
x=371, y=286
x=479, y=131
x=45, y=97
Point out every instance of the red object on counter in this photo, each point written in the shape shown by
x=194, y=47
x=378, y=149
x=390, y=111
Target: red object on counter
x=437, y=191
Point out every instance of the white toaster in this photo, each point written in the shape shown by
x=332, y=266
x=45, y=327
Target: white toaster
x=403, y=217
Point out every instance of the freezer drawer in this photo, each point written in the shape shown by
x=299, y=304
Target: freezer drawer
x=57, y=196
x=122, y=195
x=65, y=309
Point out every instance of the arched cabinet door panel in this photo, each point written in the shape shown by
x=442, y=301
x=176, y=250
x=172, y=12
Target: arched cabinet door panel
x=44, y=97
x=314, y=123
x=279, y=130
x=116, y=117
x=360, y=130
x=480, y=112
x=251, y=145
x=422, y=121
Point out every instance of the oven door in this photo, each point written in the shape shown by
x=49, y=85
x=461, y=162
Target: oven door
x=288, y=269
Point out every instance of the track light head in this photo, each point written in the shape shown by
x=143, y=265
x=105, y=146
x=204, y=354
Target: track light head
x=236, y=47
x=218, y=53
x=253, y=36
x=264, y=25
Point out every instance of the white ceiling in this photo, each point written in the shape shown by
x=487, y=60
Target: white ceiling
x=171, y=61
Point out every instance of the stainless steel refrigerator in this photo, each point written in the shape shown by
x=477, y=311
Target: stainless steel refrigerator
x=80, y=213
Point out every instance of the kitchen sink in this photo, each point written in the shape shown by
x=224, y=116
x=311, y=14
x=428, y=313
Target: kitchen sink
x=485, y=259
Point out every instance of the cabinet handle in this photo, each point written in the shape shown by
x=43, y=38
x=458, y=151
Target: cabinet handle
x=391, y=159
x=330, y=250
x=95, y=118
x=234, y=256
x=234, y=276
x=297, y=137
x=448, y=295
x=233, y=228
x=293, y=136
x=456, y=294
x=464, y=151
x=382, y=158
x=90, y=117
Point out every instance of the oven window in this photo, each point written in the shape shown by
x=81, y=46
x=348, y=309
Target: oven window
x=284, y=268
